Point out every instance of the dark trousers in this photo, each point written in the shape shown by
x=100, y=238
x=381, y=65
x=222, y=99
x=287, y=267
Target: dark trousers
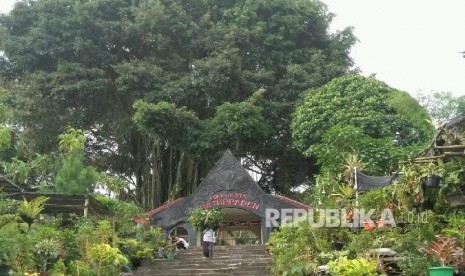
x=208, y=249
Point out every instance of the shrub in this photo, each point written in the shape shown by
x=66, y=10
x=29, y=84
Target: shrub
x=355, y=267
x=201, y=218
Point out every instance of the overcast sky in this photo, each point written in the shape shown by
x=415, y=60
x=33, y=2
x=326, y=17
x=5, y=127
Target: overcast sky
x=412, y=45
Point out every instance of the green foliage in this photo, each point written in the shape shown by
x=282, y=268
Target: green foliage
x=239, y=124
x=81, y=268
x=202, y=218
x=85, y=64
x=415, y=264
x=5, y=117
x=104, y=232
x=360, y=244
x=20, y=253
x=59, y=269
x=408, y=107
x=152, y=238
x=124, y=213
x=380, y=155
x=355, y=267
x=297, y=247
x=375, y=199
x=74, y=177
x=73, y=140
x=107, y=260
x=358, y=101
x=5, y=137
x=167, y=123
x=134, y=249
x=45, y=251
x=30, y=209
x=112, y=184
x=456, y=227
x=38, y=171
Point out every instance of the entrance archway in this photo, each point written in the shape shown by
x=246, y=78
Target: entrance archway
x=179, y=231
x=239, y=227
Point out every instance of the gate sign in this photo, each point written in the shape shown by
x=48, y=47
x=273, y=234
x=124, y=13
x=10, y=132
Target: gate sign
x=241, y=223
x=230, y=200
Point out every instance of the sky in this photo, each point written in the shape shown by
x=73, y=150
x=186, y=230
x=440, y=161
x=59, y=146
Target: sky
x=412, y=45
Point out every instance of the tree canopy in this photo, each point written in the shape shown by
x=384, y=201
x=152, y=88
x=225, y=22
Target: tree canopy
x=86, y=63
x=356, y=114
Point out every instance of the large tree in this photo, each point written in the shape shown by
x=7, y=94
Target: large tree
x=359, y=115
x=85, y=63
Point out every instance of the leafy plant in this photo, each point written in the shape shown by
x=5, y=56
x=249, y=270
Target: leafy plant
x=45, y=251
x=355, y=267
x=59, y=269
x=352, y=161
x=202, y=218
x=298, y=246
x=29, y=210
x=107, y=260
x=456, y=228
x=445, y=250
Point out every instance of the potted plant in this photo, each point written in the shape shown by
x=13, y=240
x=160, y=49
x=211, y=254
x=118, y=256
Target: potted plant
x=447, y=252
x=430, y=178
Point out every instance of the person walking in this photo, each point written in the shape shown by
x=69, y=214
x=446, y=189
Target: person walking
x=208, y=240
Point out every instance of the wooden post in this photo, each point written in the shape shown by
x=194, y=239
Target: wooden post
x=86, y=206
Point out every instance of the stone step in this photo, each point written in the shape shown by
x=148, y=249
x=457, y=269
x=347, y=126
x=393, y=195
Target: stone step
x=171, y=272
x=227, y=260
x=249, y=263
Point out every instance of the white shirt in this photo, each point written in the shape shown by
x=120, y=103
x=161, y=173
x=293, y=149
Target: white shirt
x=184, y=242
x=208, y=235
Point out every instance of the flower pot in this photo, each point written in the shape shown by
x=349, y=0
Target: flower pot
x=368, y=226
x=431, y=181
x=441, y=271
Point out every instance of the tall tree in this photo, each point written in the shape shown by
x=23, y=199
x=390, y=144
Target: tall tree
x=85, y=63
x=5, y=117
x=371, y=113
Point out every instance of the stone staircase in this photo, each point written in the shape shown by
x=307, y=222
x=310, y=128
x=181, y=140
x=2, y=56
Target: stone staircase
x=247, y=260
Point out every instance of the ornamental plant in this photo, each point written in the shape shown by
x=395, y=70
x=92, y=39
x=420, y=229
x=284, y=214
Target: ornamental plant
x=107, y=260
x=205, y=218
x=445, y=250
x=46, y=250
x=355, y=267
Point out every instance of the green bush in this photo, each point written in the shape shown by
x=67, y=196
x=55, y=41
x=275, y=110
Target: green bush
x=201, y=218
x=295, y=249
x=355, y=267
